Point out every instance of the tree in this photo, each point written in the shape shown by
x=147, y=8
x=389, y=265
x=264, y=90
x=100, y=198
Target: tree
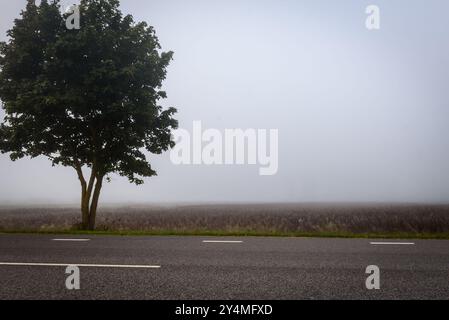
x=85, y=98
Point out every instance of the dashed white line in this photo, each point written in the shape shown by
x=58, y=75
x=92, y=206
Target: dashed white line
x=392, y=243
x=221, y=241
x=32, y=264
x=72, y=240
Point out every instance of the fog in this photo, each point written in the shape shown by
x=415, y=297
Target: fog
x=362, y=115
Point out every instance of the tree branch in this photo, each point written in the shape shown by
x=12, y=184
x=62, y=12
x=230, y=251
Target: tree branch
x=79, y=171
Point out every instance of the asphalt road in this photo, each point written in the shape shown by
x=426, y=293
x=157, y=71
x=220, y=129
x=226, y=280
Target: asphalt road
x=33, y=267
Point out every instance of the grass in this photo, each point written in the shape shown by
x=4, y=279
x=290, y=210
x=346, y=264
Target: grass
x=387, y=221
x=346, y=235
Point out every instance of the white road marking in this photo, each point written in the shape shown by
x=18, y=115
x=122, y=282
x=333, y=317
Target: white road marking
x=32, y=264
x=392, y=243
x=221, y=241
x=74, y=240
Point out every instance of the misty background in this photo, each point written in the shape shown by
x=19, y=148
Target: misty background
x=362, y=115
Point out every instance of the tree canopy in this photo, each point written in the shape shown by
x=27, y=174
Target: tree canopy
x=85, y=98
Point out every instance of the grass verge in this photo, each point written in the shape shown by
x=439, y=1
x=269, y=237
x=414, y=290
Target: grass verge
x=348, y=235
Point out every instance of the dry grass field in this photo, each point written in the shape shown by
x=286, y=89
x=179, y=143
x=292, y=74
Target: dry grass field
x=251, y=219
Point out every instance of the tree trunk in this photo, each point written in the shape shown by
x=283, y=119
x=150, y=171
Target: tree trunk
x=84, y=198
x=85, y=212
x=94, y=204
x=89, y=201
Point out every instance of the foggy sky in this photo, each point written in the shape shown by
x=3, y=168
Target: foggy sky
x=362, y=115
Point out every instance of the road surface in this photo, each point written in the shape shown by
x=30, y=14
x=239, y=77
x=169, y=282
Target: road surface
x=33, y=267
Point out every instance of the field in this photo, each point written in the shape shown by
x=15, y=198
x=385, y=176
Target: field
x=386, y=220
